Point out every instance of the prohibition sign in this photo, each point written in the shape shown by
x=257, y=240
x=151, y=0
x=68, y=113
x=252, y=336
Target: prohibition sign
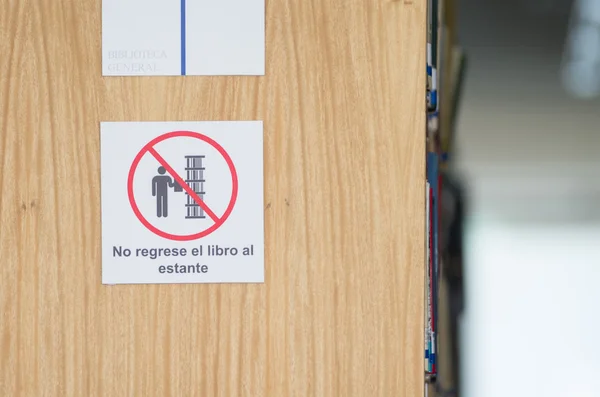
x=149, y=149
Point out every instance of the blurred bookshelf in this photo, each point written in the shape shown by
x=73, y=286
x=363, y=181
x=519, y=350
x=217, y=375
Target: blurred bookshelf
x=446, y=68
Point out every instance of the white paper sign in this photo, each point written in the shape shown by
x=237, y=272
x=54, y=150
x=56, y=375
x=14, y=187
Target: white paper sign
x=182, y=202
x=183, y=37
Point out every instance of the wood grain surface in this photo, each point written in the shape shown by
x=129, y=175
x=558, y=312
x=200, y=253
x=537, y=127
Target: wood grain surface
x=341, y=312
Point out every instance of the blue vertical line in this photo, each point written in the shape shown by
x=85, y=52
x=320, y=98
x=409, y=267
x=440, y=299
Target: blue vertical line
x=183, y=46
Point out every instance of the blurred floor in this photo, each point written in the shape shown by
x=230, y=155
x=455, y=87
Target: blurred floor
x=530, y=327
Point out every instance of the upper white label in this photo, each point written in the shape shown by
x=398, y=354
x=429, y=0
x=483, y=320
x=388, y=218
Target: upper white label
x=183, y=37
x=182, y=202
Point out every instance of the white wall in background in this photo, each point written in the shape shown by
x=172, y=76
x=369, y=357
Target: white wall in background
x=528, y=152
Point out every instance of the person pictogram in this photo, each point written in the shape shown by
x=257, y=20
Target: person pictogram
x=160, y=189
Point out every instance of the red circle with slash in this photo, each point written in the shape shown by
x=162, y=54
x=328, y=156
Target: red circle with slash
x=149, y=149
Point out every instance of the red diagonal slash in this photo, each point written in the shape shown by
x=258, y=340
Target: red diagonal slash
x=184, y=185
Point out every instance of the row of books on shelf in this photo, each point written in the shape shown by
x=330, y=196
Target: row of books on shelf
x=445, y=71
